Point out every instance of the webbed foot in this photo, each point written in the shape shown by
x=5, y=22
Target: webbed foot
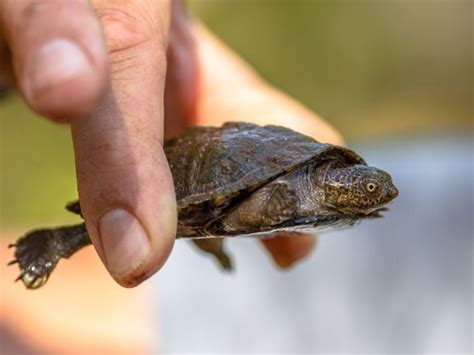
x=37, y=255
x=39, y=251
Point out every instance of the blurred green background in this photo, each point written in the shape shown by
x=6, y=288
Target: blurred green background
x=374, y=69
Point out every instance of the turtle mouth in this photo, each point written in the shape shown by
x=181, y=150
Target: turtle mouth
x=358, y=211
x=382, y=207
x=375, y=212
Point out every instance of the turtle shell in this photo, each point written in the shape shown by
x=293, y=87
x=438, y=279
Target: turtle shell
x=213, y=165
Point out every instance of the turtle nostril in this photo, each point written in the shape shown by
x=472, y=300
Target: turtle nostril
x=393, y=192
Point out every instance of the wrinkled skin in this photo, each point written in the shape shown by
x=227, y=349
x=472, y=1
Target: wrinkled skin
x=240, y=179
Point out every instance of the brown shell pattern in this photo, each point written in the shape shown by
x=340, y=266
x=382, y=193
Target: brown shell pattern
x=217, y=163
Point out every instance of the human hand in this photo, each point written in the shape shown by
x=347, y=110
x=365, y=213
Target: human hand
x=104, y=70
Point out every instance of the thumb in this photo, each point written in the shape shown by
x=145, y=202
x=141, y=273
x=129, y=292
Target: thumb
x=125, y=185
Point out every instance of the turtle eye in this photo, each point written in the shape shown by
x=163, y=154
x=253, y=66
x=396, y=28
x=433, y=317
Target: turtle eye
x=370, y=187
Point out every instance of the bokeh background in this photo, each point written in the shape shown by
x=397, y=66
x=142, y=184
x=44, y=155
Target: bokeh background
x=395, y=77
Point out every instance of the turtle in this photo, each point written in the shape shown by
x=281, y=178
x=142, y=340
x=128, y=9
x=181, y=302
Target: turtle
x=240, y=179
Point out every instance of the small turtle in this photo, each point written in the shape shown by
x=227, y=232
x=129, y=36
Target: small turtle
x=240, y=179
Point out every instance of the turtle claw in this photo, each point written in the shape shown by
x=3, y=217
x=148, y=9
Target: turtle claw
x=31, y=278
x=37, y=257
x=32, y=281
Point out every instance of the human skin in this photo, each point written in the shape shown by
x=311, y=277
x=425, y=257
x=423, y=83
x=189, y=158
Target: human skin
x=124, y=75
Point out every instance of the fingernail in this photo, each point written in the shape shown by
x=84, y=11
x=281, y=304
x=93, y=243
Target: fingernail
x=56, y=61
x=124, y=241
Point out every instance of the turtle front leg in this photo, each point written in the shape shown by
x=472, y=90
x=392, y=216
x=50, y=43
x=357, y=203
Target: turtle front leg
x=38, y=252
x=270, y=206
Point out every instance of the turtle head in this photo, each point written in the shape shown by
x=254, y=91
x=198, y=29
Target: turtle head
x=357, y=189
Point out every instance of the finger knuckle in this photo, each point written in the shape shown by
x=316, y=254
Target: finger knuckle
x=115, y=152
x=127, y=25
x=103, y=157
x=33, y=8
x=37, y=9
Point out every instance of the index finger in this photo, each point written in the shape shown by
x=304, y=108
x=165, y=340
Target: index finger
x=58, y=55
x=125, y=186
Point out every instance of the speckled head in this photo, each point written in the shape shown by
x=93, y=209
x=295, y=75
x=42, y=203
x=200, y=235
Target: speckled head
x=358, y=189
